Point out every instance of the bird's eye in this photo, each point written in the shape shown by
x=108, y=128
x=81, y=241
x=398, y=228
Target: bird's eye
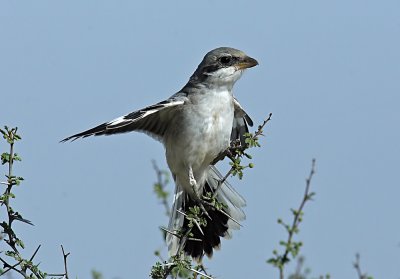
x=225, y=60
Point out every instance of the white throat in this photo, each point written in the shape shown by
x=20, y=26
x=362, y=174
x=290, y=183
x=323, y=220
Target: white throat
x=224, y=78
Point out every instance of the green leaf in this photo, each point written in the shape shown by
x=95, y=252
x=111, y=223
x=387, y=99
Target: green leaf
x=283, y=243
x=272, y=261
x=248, y=156
x=20, y=243
x=5, y=158
x=98, y=275
x=16, y=157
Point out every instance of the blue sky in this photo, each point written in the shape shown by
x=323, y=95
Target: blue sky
x=329, y=72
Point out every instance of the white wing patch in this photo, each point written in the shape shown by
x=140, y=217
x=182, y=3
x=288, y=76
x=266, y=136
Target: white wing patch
x=141, y=120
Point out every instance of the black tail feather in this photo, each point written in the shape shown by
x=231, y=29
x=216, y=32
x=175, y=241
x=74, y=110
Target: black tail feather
x=216, y=228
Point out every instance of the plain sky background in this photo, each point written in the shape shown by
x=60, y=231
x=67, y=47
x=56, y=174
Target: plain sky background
x=329, y=72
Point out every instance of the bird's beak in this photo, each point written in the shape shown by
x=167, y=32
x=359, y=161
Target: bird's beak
x=247, y=62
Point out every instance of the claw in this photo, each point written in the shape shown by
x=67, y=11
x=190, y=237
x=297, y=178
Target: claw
x=193, y=183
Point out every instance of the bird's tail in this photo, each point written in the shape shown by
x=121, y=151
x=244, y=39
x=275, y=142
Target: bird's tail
x=220, y=223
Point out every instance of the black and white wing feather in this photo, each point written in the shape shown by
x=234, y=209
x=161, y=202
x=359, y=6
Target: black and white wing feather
x=152, y=120
x=241, y=121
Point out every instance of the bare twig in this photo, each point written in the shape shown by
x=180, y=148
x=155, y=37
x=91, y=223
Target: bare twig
x=11, y=267
x=357, y=267
x=65, y=262
x=261, y=127
x=34, y=254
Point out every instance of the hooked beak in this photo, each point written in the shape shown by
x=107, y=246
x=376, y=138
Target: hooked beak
x=247, y=62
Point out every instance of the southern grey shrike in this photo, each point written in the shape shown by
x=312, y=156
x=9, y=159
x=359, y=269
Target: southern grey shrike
x=196, y=125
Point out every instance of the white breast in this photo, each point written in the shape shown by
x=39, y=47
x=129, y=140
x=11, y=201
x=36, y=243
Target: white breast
x=202, y=131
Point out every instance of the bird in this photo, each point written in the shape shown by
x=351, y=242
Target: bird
x=196, y=125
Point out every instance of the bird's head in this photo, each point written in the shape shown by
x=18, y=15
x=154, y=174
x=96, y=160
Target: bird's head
x=222, y=67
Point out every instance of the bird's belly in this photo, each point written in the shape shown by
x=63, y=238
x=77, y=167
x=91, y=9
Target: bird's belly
x=200, y=134
x=212, y=137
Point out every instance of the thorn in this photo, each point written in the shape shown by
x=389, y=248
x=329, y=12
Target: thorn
x=170, y=232
x=227, y=215
x=200, y=273
x=198, y=226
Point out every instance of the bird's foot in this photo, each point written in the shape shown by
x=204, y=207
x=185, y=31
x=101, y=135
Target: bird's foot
x=192, y=180
x=193, y=184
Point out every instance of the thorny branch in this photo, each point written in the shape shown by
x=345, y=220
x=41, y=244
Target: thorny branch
x=160, y=185
x=7, y=265
x=8, y=158
x=15, y=261
x=357, y=267
x=65, y=262
x=180, y=261
x=236, y=151
x=293, y=247
x=297, y=217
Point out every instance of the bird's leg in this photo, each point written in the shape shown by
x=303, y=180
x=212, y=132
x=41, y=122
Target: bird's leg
x=192, y=181
x=193, y=184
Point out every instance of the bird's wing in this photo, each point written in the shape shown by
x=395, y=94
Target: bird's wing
x=152, y=120
x=241, y=121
